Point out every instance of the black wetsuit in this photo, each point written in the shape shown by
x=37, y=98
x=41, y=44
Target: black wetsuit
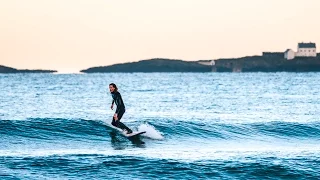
x=121, y=109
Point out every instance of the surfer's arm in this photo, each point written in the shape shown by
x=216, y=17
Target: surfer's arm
x=119, y=103
x=117, y=110
x=112, y=104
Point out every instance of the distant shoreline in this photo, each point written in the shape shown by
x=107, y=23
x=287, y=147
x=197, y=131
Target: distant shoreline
x=153, y=65
x=266, y=63
x=10, y=70
x=271, y=62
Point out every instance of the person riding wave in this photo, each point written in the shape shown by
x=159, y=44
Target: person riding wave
x=120, y=110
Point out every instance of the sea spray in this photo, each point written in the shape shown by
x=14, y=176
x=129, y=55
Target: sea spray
x=151, y=132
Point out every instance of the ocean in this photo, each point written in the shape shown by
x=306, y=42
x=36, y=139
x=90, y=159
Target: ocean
x=199, y=126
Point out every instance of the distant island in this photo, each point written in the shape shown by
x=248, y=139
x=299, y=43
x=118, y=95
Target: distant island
x=306, y=59
x=268, y=62
x=153, y=65
x=5, y=69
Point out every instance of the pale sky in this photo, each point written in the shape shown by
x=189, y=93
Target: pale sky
x=70, y=35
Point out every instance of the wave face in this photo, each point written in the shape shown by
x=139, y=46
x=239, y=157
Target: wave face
x=199, y=126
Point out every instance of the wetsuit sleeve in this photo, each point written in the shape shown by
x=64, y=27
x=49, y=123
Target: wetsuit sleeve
x=119, y=103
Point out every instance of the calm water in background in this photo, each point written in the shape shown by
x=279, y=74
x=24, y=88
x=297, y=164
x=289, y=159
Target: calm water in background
x=199, y=125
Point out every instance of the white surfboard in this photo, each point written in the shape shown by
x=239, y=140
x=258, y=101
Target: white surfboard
x=134, y=133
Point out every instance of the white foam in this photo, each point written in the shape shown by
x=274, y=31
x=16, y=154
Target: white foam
x=151, y=132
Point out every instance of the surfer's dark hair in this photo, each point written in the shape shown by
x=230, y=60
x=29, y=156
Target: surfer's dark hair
x=115, y=86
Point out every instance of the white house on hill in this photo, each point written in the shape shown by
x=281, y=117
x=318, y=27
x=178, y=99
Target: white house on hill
x=304, y=50
x=289, y=54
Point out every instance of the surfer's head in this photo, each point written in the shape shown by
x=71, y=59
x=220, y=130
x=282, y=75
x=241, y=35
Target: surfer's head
x=113, y=88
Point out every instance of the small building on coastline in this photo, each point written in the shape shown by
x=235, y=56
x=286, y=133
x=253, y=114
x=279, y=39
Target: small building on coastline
x=303, y=50
x=289, y=54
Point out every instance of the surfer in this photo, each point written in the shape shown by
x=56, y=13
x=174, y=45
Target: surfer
x=116, y=96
